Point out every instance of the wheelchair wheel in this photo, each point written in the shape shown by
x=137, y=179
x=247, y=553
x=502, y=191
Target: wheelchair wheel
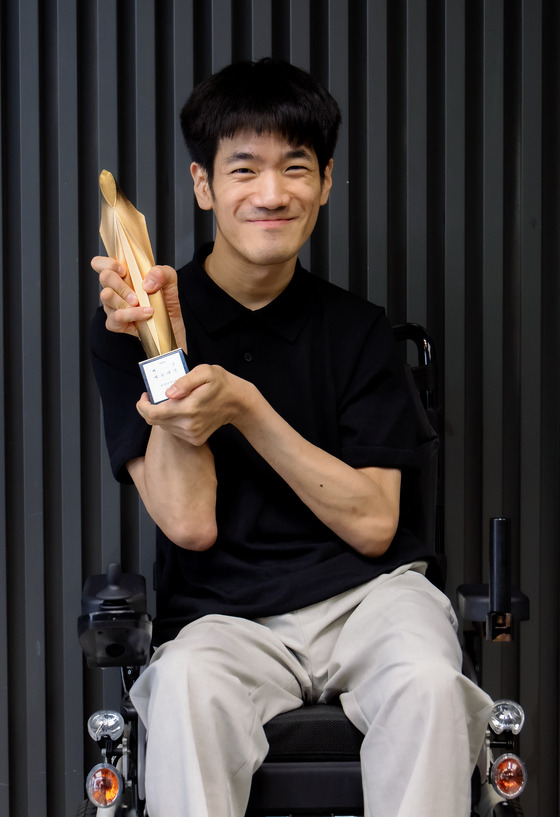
x=87, y=809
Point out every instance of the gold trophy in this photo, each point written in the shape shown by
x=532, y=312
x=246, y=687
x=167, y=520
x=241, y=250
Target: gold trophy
x=125, y=236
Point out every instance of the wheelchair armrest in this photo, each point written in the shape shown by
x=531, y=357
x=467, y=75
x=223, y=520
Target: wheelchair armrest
x=474, y=603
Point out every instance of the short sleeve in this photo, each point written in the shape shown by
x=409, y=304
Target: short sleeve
x=377, y=421
x=115, y=365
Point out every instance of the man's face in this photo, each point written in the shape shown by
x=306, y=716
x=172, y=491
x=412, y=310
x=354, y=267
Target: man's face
x=265, y=194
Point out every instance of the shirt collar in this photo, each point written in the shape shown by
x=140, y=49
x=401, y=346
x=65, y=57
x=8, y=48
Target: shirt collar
x=215, y=309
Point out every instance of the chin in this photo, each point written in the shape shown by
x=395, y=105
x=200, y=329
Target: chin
x=271, y=255
x=272, y=260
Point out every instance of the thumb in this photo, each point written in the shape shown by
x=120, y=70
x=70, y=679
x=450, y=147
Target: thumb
x=184, y=386
x=201, y=375
x=164, y=279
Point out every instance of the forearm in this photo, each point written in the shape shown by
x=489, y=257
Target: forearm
x=177, y=484
x=359, y=505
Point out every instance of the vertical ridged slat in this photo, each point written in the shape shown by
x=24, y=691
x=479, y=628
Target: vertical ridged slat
x=492, y=292
x=299, y=33
x=396, y=161
x=143, y=81
x=174, y=24
x=297, y=25
x=261, y=29
x=23, y=326
x=492, y=212
x=445, y=208
x=468, y=489
x=358, y=171
x=4, y=618
x=104, y=115
x=452, y=350
x=549, y=572
x=5, y=621
x=63, y=524
x=107, y=115
x=376, y=103
x=221, y=34
x=537, y=563
x=336, y=78
x=416, y=160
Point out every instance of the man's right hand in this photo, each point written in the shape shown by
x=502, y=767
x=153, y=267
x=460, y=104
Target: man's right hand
x=121, y=304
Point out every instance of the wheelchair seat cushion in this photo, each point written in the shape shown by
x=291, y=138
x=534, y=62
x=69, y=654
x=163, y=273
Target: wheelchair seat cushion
x=318, y=732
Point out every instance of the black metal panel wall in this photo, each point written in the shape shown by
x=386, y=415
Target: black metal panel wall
x=445, y=209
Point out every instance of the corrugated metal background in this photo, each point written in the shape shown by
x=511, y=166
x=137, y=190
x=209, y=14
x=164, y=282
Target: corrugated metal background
x=446, y=209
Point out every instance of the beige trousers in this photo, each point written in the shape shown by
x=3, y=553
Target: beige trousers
x=388, y=649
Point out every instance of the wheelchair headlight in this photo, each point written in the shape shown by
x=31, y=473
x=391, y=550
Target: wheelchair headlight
x=105, y=724
x=508, y=776
x=507, y=716
x=104, y=785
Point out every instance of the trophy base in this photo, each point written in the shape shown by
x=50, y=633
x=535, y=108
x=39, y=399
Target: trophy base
x=161, y=372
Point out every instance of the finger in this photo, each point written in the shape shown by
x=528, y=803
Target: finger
x=121, y=299
x=155, y=414
x=111, y=281
x=101, y=262
x=143, y=407
x=123, y=320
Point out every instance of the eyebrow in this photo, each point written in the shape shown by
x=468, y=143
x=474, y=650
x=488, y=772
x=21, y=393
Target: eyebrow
x=247, y=156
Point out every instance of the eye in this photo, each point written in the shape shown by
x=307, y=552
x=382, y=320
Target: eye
x=241, y=171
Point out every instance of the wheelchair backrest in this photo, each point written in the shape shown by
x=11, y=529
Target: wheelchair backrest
x=421, y=488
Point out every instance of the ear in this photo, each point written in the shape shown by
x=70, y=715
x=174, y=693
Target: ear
x=327, y=182
x=202, y=187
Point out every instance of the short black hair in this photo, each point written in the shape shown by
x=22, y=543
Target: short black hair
x=267, y=96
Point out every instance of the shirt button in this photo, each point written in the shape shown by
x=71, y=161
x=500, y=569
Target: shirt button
x=248, y=356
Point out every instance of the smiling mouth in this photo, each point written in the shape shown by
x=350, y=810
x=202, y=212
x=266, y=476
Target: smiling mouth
x=270, y=222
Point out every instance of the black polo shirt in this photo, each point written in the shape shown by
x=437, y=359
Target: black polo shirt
x=326, y=361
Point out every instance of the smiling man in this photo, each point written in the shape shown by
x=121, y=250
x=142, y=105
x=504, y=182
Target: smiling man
x=287, y=573
x=266, y=196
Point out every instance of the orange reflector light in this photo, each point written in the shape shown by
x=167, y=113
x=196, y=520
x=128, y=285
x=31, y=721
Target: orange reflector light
x=508, y=776
x=104, y=785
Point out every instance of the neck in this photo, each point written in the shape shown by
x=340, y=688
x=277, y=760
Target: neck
x=252, y=285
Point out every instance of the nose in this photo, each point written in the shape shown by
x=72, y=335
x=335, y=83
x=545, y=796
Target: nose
x=271, y=191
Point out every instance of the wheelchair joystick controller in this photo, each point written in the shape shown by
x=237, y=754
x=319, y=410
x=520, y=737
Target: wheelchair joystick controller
x=499, y=620
x=115, y=629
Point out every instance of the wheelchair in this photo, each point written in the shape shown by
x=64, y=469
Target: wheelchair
x=313, y=764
